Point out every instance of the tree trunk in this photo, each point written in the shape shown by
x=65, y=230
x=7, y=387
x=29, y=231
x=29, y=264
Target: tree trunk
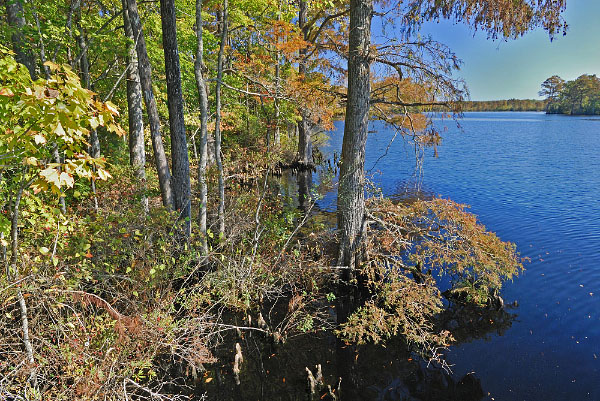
x=218, y=158
x=16, y=19
x=277, y=133
x=84, y=68
x=145, y=72
x=13, y=276
x=351, y=197
x=137, y=149
x=41, y=44
x=203, y=100
x=72, y=7
x=180, y=182
x=304, y=141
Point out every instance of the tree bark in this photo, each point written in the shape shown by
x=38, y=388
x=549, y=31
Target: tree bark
x=203, y=142
x=351, y=198
x=221, y=210
x=180, y=182
x=16, y=19
x=84, y=68
x=145, y=72
x=12, y=274
x=304, y=140
x=41, y=44
x=137, y=149
x=277, y=133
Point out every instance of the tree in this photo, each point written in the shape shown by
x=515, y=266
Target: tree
x=203, y=103
x=551, y=88
x=145, y=71
x=508, y=19
x=218, y=157
x=180, y=182
x=304, y=143
x=579, y=96
x=137, y=149
x=351, y=201
x=311, y=30
x=16, y=19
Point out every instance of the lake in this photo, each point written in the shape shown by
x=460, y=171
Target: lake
x=534, y=179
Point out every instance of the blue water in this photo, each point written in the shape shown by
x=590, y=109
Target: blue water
x=533, y=179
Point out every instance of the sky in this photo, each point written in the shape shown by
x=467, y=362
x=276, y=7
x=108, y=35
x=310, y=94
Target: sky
x=515, y=69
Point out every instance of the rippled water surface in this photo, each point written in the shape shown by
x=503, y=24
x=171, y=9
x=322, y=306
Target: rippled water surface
x=534, y=180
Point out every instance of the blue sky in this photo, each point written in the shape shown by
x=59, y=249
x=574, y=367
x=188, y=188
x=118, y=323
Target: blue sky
x=515, y=69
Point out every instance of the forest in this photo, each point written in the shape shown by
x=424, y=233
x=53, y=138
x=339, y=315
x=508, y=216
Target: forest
x=141, y=229
x=578, y=97
x=504, y=105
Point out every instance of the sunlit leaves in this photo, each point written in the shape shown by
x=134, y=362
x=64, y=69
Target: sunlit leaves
x=415, y=251
x=442, y=236
x=580, y=96
x=40, y=116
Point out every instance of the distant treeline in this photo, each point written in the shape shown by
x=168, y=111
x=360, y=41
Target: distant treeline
x=505, y=105
x=578, y=97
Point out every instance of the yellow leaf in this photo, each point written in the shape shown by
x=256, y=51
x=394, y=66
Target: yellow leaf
x=30, y=161
x=6, y=92
x=52, y=65
x=59, y=130
x=67, y=179
x=208, y=380
x=39, y=186
x=39, y=139
x=94, y=122
x=39, y=92
x=51, y=176
x=112, y=108
x=103, y=174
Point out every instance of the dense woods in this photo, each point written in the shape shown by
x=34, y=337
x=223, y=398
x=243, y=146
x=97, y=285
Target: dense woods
x=578, y=97
x=129, y=259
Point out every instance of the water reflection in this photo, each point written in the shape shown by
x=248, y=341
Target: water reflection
x=371, y=372
x=277, y=371
x=304, y=179
x=411, y=190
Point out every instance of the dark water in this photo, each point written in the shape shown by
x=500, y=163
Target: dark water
x=534, y=180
